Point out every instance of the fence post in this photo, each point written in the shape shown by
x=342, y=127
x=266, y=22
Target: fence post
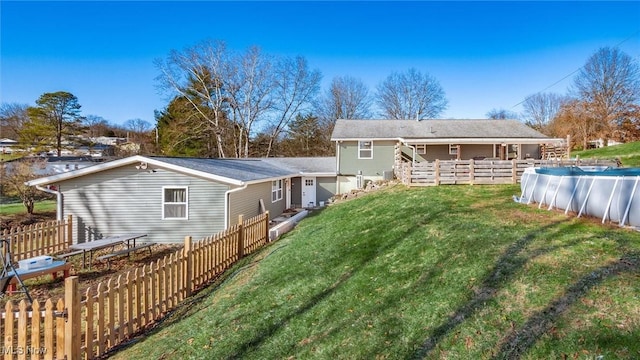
x=188, y=255
x=69, y=230
x=72, y=337
x=266, y=226
x=514, y=171
x=472, y=171
x=436, y=166
x=240, y=236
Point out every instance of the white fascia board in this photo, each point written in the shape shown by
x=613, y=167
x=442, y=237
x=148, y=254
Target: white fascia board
x=367, y=139
x=482, y=141
x=195, y=173
x=130, y=161
x=317, y=174
x=258, y=181
x=86, y=171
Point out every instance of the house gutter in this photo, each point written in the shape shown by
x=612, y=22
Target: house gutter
x=227, y=194
x=59, y=200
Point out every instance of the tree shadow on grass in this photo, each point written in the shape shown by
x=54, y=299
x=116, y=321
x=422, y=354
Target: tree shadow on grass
x=516, y=343
x=368, y=256
x=506, y=266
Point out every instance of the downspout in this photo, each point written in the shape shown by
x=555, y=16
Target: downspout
x=59, y=200
x=338, y=191
x=227, y=194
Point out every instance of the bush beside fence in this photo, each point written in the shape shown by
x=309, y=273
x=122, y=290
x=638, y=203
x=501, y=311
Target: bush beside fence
x=115, y=310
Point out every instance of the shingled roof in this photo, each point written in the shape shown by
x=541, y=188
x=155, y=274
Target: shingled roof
x=433, y=129
x=231, y=171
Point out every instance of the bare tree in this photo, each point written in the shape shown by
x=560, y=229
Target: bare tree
x=13, y=116
x=608, y=83
x=411, y=95
x=541, y=108
x=295, y=88
x=346, y=98
x=138, y=132
x=95, y=126
x=198, y=74
x=501, y=114
x=249, y=93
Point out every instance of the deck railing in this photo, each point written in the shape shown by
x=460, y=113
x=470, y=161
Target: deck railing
x=453, y=172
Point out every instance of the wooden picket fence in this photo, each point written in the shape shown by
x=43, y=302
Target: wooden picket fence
x=38, y=239
x=472, y=172
x=88, y=326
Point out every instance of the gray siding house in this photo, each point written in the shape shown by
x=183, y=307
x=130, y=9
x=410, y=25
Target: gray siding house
x=170, y=198
x=368, y=150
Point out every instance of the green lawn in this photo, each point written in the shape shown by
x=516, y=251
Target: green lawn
x=628, y=153
x=456, y=272
x=17, y=207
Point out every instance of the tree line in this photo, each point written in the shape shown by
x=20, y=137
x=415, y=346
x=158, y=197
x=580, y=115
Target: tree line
x=229, y=103
x=602, y=102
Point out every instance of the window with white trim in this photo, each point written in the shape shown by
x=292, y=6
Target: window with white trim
x=365, y=149
x=421, y=149
x=175, y=203
x=453, y=149
x=276, y=190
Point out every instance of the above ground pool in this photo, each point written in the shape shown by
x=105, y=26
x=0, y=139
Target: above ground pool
x=611, y=194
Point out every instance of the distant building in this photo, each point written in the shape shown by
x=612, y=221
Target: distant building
x=7, y=146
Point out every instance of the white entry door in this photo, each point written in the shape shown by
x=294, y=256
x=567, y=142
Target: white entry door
x=308, y=192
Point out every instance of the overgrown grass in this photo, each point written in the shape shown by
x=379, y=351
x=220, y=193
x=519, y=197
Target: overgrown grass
x=456, y=272
x=14, y=208
x=628, y=153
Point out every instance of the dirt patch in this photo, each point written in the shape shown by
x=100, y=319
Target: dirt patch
x=7, y=222
x=45, y=287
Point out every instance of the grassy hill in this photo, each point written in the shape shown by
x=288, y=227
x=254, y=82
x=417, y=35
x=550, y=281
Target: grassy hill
x=457, y=272
x=628, y=153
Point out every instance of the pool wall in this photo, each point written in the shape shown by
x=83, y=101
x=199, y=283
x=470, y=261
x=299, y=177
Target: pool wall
x=609, y=194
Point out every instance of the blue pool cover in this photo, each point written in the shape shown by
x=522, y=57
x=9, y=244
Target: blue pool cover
x=577, y=171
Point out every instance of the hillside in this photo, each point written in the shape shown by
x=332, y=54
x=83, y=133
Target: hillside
x=440, y=272
x=629, y=154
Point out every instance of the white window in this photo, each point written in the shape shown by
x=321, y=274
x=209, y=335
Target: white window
x=276, y=190
x=175, y=203
x=365, y=149
x=453, y=149
x=421, y=149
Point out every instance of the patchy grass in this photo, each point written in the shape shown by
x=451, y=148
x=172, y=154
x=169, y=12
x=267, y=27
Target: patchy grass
x=17, y=208
x=628, y=153
x=456, y=272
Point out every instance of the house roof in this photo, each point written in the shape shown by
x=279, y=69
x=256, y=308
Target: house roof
x=433, y=130
x=306, y=165
x=229, y=171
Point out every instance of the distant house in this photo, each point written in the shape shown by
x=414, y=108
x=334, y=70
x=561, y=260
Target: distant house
x=170, y=198
x=368, y=150
x=7, y=146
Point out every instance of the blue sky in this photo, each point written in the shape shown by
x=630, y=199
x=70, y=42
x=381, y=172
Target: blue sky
x=484, y=54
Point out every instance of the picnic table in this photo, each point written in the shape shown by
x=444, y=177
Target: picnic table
x=128, y=240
